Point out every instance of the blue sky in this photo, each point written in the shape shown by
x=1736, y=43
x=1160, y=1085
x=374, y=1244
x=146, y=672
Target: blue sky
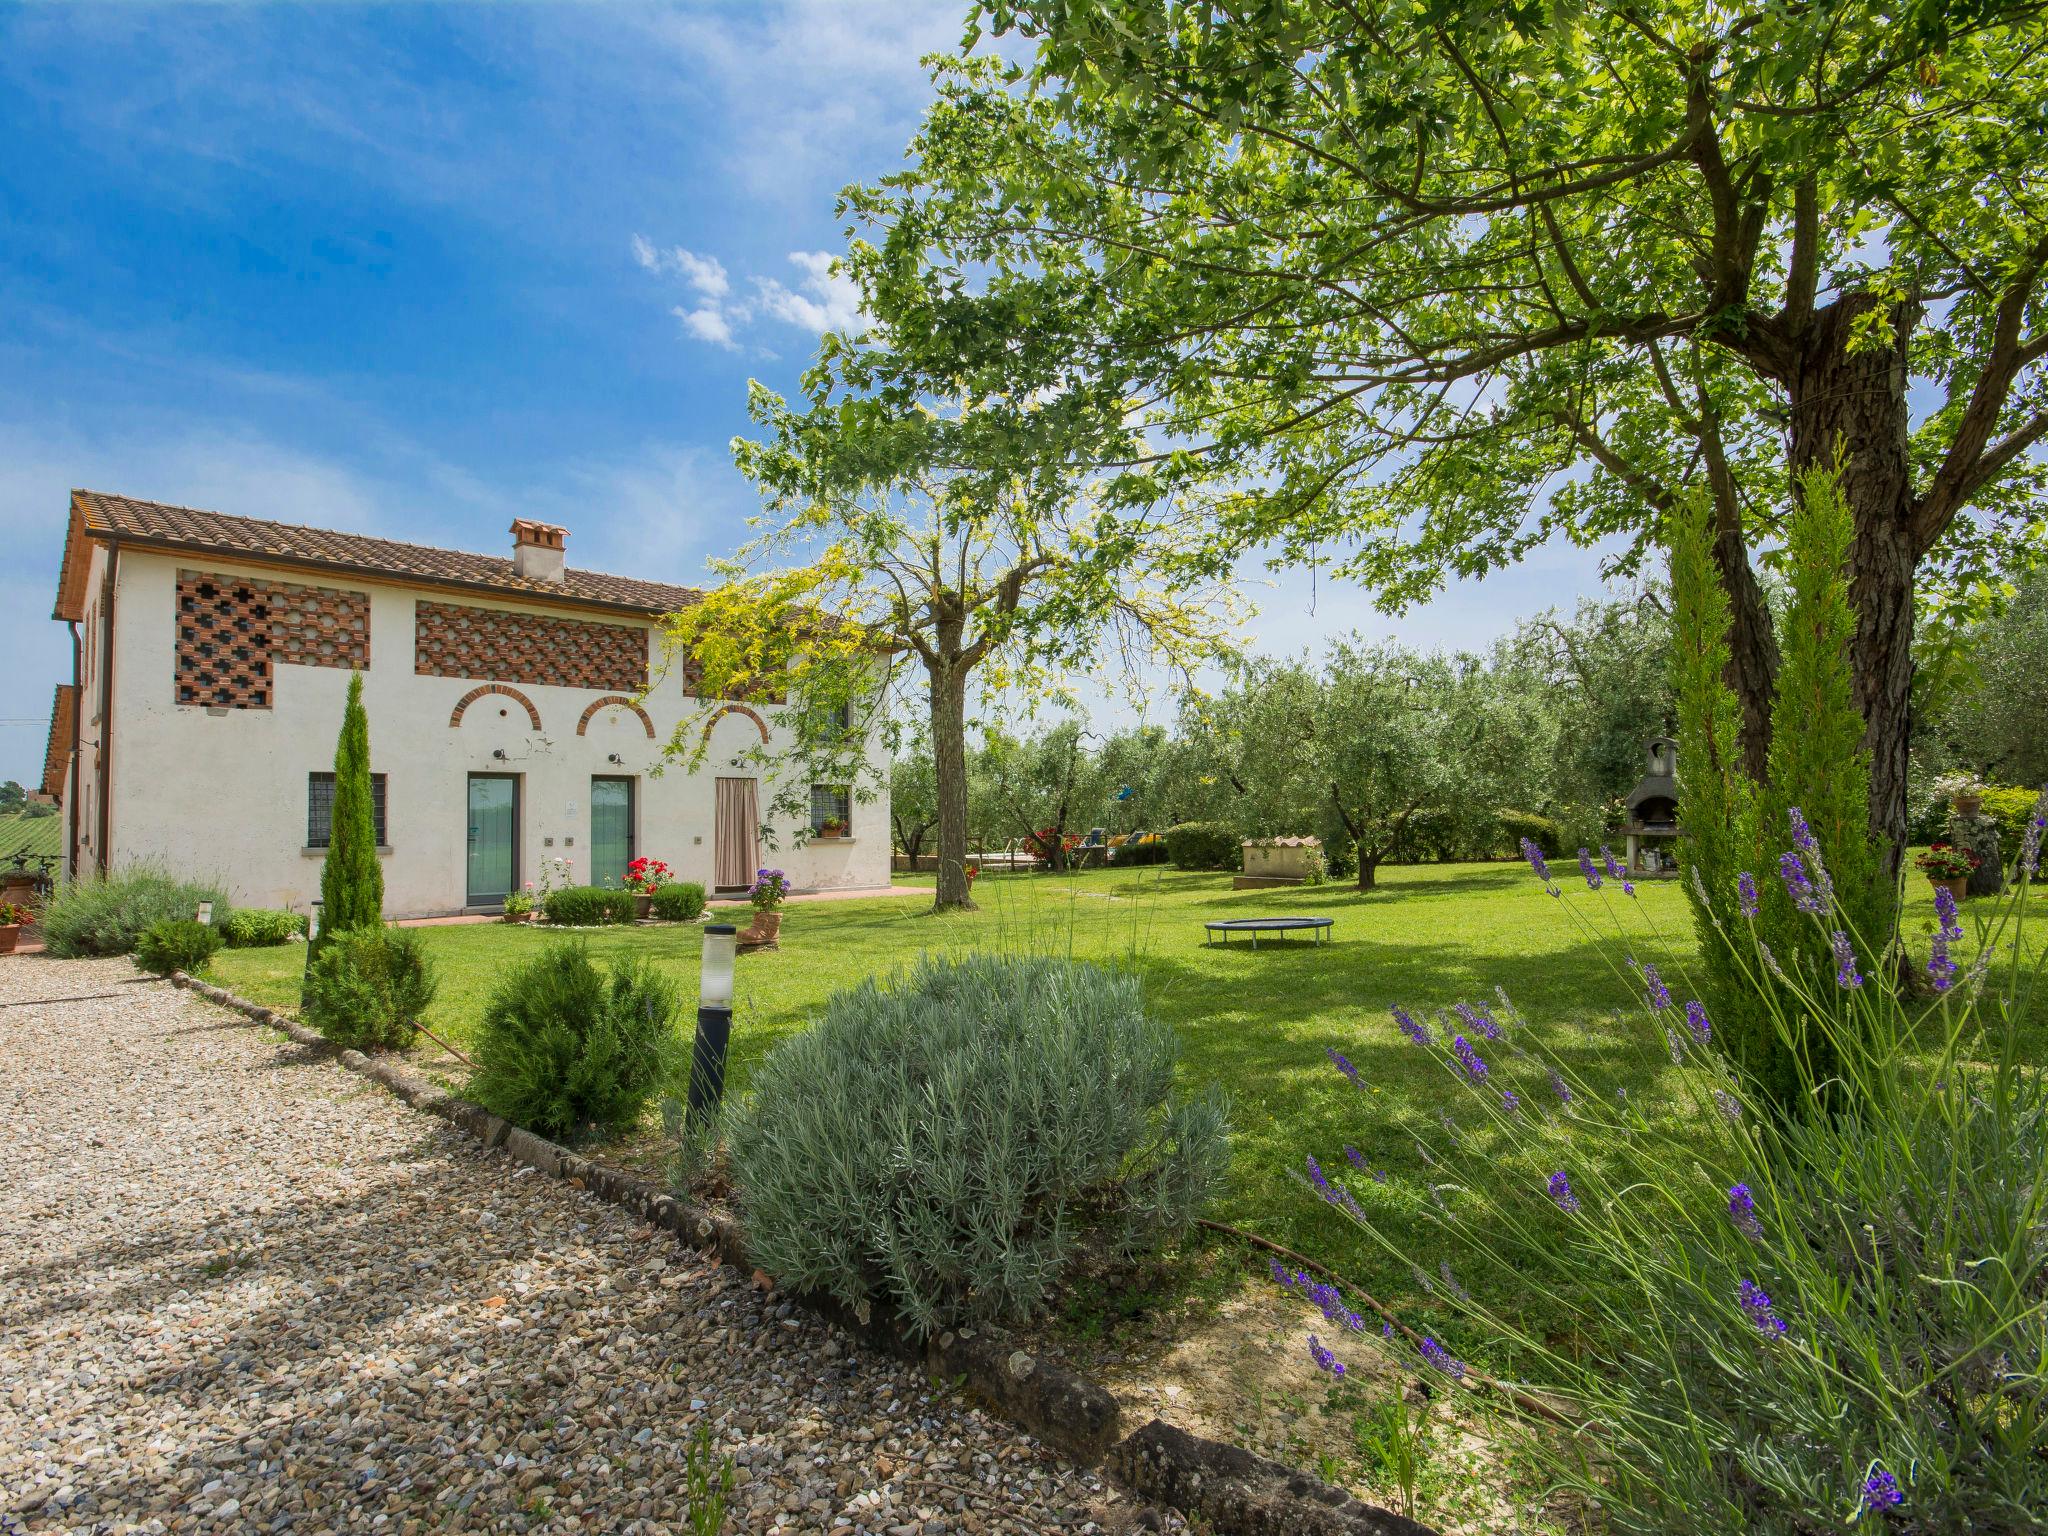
x=417, y=271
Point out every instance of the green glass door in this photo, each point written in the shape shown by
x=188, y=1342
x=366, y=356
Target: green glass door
x=611, y=830
x=493, y=837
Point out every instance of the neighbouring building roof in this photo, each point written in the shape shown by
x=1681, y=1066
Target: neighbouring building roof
x=57, y=754
x=97, y=516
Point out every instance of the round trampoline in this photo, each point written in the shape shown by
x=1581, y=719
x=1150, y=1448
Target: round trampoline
x=1318, y=928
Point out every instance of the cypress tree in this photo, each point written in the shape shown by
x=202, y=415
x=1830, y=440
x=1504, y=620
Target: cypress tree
x=1731, y=825
x=351, y=881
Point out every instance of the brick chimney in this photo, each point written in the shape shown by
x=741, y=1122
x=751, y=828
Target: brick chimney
x=537, y=550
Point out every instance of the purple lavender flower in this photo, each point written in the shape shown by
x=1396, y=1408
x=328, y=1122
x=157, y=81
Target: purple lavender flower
x=1441, y=1358
x=1316, y=1177
x=1510, y=1100
x=1881, y=1490
x=1846, y=974
x=1443, y=1268
x=1802, y=834
x=1535, y=857
x=2030, y=845
x=1792, y=870
x=1587, y=869
x=1343, y=1064
x=1808, y=844
x=1696, y=1018
x=1746, y=893
x=1742, y=1211
x=1479, y=1020
x=1323, y=1358
x=1357, y=1158
x=1419, y=1033
x=1945, y=909
x=1728, y=1104
x=1757, y=1304
x=1559, y=1087
x=1941, y=967
x=1469, y=1059
x=1613, y=864
x=1660, y=995
x=1386, y=1330
x=1327, y=1299
x=1770, y=960
x=1561, y=1192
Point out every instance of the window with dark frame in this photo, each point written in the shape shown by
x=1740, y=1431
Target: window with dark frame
x=320, y=809
x=831, y=803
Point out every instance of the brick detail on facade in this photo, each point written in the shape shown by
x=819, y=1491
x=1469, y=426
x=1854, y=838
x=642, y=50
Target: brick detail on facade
x=484, y=690
x=231, y=630
x=456, y=640
x=737, y=709
x=590, y=714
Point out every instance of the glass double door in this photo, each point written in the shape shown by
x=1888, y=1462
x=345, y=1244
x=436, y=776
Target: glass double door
x=493, y=837
x=611, y=830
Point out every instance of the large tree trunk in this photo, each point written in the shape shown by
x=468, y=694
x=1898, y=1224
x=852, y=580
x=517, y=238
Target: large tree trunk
x=949, y=755
x=1368, y=870
x=1854, y=404
x=1752, y=673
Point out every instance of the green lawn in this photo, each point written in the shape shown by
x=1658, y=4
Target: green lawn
x=1257, y=1022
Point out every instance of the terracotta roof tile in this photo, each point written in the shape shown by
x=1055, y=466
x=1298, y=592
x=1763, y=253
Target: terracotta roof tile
x=57, y=754
x=160, y=526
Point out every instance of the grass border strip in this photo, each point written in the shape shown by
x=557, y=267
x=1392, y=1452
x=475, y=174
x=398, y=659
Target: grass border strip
x=1235, y=1490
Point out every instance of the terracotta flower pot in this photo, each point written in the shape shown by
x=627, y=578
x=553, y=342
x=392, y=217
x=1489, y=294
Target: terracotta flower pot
x=9, y=932
x=1958, y=887
x=518, y=917
x=767, y=925
x=643, y=905
x=1968, y=805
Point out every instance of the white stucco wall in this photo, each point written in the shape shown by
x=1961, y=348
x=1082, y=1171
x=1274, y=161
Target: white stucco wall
x=225, y=792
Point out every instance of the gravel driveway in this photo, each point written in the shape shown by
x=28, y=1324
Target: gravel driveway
x=241, y=1289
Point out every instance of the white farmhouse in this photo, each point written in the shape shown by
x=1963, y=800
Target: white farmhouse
x=518, y=710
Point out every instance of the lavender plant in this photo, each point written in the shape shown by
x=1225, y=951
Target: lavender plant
x=1780, y=1324
x=946, y=1142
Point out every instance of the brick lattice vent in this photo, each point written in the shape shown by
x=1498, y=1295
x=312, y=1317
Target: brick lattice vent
x=452, y=640
x=231, y=629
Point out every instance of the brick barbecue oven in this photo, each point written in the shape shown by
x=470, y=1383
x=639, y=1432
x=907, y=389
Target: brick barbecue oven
x=1653, y=812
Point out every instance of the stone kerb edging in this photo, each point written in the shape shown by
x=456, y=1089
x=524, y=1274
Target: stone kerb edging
x=1235, y=1490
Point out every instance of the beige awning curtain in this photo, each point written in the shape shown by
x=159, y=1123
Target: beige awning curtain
x=738, y=825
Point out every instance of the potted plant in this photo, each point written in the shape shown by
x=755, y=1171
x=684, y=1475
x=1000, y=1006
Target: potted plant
x=1948, y=866
x=645, y=876
x=1964, y=790
x=770, y=888
x=13, y=918
x=519, y=905
x=831, y=826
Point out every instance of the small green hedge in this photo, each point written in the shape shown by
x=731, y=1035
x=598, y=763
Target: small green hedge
x=574, y=1051
x=1204, y=845
x=1540, y=830
x=177, y=944
x=366, y=986
x=256, y=927
x=109, y=916
x=2012, y=809
x=681, y=902
x=588, y=906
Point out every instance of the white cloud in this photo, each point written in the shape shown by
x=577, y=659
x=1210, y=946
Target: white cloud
x=707, y=323
x=829, y=300
x=822, y=300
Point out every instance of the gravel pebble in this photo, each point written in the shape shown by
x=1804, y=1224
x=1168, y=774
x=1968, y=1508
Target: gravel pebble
x=245, y=1290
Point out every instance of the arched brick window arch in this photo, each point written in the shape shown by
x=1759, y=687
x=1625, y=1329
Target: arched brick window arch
x=483, y=690
x=737, y=709
x=590, y=714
